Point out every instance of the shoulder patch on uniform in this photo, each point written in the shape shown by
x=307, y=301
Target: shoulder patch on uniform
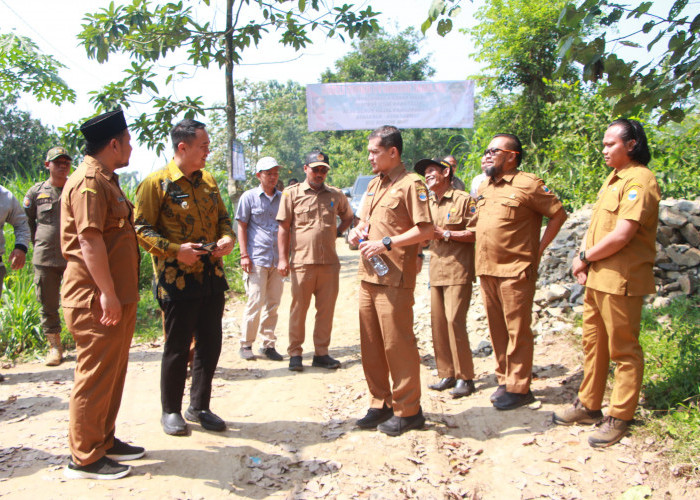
x=422, y=193
x=632, y=195
x=27, y=202
x=89, y=190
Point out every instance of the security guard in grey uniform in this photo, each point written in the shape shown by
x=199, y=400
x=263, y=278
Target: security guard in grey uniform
x=42, y=204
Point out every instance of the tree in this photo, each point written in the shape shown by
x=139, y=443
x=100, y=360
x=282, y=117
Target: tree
x=24, y=142
x=149, y=32
x=24, y=69
x=380, y=57
x=518, y=39
x=665, y=85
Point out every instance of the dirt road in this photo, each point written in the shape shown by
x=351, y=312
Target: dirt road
x=292, y=435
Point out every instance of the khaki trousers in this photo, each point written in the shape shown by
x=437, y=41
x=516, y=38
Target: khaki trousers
x=263, y=285
x=508, y=304
x=389, y=348
x=322, y=282
x=448, y=315
x=611, y=326
x=100, y=371
x=47, y=284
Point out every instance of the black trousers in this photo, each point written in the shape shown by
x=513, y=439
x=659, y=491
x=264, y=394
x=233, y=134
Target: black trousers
x=182, y=319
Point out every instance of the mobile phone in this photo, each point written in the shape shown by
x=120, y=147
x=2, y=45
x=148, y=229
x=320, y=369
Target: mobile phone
x=208, y=247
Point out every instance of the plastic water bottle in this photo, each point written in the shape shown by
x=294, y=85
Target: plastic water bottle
x=378, y=264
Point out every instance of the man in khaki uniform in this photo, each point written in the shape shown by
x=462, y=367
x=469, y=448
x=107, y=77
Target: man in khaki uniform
x=510, y=207
x=42, y=204
x=451, y=277
x=307, y=218
x=99, y=297
x=394, y=219
x=616, y=264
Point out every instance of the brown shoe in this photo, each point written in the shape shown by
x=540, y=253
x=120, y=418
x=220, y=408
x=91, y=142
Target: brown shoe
x=55, y=355
x=611, y=430
x=577, y=414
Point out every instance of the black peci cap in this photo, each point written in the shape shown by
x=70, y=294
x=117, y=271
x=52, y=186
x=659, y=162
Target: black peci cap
x=104, y=126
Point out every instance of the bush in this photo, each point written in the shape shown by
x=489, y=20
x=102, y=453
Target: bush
x=670, y=338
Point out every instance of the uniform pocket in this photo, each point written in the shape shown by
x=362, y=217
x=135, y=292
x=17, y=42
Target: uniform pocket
x=388, y=210
x=44, y=213
x=302, y=215
x=506, y=209
x=608, y=210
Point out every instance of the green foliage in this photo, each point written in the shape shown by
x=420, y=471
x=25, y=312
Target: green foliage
x=382, y=58
x=149, y=319
x=20, y=314
x=663, y=85
x=23, y=69
x=670, y=338
x=148, y=32
x=24, y=142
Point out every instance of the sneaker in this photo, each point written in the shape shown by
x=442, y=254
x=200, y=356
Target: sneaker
x=271, y=353
x=206, y=419
x=576, y=414
x=325, y=361
x=246, y=353
x=513, y=400
x=122, y=451
x=500, y=391
x=374, y=417
x=396, y=426
x=611, y=430
x=295, y=364
x=104, y=468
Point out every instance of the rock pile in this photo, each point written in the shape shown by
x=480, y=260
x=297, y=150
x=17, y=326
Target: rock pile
x=676, y=271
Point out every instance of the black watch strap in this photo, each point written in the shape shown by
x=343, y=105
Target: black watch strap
x=387, y=242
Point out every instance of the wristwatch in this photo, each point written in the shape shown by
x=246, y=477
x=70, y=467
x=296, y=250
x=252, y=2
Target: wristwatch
x=446, y=235
x=387, y=242
x=582, y=257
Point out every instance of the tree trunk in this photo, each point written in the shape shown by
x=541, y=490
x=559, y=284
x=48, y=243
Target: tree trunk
x=234, y=188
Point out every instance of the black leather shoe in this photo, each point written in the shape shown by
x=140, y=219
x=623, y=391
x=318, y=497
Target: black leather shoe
x=325, y=361
x=396, y=426
x=498, y=393
x=463, y=388
x=374, y=417
x=442, y=384
x=295, y=364
x=206, y=419
x=513, y=400
x=173, y=424
x=271, y=353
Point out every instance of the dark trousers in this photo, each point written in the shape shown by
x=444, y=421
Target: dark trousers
x=181, y=320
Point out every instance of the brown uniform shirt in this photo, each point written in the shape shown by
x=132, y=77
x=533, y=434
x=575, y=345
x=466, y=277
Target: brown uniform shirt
x=508, y=221
x=313, y=222
x=452, y=262
x=42, y=204
x=394, y=203
x=92, y=198
x=631, y=194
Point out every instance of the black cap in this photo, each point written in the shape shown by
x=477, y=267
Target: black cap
x=316, y=158
x=423, y=164
x=104, y=126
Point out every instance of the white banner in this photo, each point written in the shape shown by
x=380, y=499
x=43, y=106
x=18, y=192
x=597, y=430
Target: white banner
x=366, y=106
x=237, y=162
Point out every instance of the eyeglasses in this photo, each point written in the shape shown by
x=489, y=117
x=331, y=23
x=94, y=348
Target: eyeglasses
x=320, y=170
x=493, y=151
